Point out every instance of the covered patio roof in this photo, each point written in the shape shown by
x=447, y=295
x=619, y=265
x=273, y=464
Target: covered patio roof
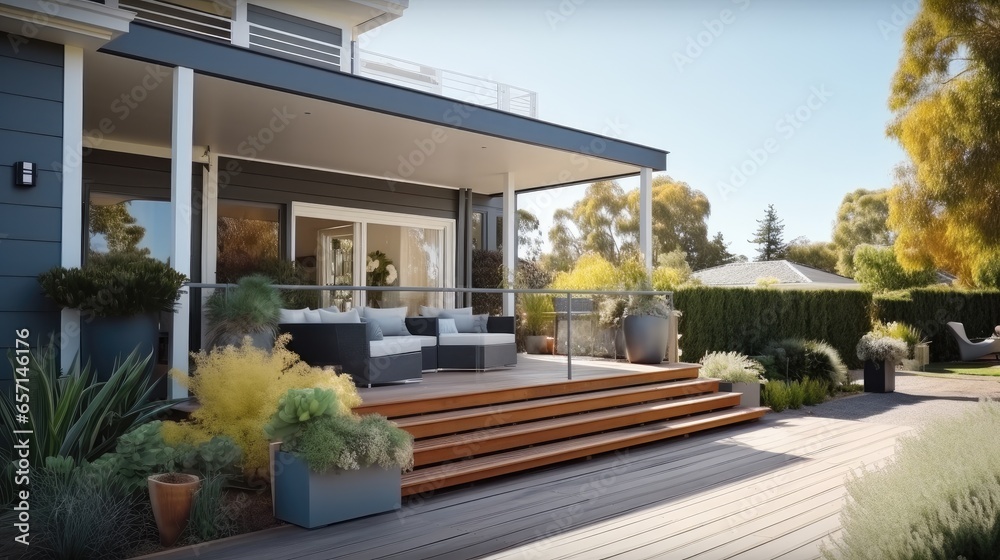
x=254, y=106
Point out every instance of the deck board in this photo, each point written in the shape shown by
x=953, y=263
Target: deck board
x=771, y=488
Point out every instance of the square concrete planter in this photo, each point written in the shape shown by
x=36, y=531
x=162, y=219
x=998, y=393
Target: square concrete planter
x=880, y=377
x=749, y=392
x=310, y=499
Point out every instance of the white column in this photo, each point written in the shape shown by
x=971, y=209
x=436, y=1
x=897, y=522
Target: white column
x=209, y=230
x=509, y=239
x=182, y=137
x=646, y=217
x=72, y=192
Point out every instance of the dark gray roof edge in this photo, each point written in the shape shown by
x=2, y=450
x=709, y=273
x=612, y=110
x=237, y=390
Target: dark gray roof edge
x=213, y=58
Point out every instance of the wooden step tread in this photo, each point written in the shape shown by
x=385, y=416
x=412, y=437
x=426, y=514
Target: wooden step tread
x=455, y=421
x=460, y=472
x=480, y=442
x=410, y=406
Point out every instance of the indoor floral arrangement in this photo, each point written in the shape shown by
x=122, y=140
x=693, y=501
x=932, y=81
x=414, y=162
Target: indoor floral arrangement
x=881, y=354
x=330, y=465
x=736, y=373
x=381, y=272
x=251, y=309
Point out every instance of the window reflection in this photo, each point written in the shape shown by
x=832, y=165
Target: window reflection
x=120, y=224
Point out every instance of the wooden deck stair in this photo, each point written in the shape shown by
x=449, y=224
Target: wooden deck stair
x=464, y=437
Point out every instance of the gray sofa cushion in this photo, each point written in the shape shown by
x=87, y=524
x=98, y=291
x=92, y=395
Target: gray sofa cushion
x=426, y=311
x=468, y=323
x=326, y=316
x=390, y=320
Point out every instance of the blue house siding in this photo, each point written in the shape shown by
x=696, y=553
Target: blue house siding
x=30, y=218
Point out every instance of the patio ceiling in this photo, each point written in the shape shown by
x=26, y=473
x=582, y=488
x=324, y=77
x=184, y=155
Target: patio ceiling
x=129, y=101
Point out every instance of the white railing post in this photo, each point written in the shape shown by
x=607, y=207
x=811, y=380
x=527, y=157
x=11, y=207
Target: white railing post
x=182, y=137
x=503, y=97
x=355, y=59
x=241, y=25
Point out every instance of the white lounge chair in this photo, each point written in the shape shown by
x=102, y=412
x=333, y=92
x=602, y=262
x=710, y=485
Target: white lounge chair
x=973, y=350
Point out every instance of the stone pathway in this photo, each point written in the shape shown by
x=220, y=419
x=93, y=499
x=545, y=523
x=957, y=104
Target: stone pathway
x=917, y=399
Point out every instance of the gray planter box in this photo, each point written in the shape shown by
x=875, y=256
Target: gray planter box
x=311, y=500
x=880, y=377
x=645, y=338
x=750, y=393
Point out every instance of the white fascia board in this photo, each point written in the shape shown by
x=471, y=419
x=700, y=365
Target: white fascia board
x=79, y=23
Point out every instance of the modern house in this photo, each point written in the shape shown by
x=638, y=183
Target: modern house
x=789, y=275
x=222, y=132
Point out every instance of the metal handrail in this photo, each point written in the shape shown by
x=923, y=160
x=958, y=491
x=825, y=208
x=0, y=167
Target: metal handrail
x=669, y=296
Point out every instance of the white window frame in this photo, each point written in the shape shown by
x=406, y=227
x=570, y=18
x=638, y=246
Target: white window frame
x=365, y=217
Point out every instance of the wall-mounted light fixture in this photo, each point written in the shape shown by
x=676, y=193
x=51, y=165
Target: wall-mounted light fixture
x=24, y=174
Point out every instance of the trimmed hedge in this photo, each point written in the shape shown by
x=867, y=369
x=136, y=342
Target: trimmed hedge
x=746, y=319
x=929, y=309
x=487, y=272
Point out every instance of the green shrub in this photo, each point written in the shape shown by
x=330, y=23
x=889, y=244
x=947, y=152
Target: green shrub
x=83, y=512
x=796, y=395
x=208, y=516
x=115, y=285
x=795, y=359
x=75, y=416
x=349, y=442
x=815, y=391
x=938, y=498
x=746, y=319
x=537, y=312
x=928, y=309
x=252, y=307
x=731, y=367
x=775, y=394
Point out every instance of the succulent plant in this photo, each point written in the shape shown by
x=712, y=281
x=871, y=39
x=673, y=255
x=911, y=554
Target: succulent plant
x=298, y=406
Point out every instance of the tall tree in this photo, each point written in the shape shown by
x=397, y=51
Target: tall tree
x=861, y=219
x=606, y=222
x=818, y=254
x=120, y=229
x=770, y=236
x=878, y=269
x=529, y=235
x=944, y=98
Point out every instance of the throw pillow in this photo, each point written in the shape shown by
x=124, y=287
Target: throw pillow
x=292, y=315
x=469, y=323
x=337, y=317
x=374, y=332
x=390, y=320
x=437, y=311
x=312, y=316
x=447, y=326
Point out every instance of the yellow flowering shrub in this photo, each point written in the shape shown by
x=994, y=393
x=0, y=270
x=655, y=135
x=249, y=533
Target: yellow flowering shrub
x=238, y=389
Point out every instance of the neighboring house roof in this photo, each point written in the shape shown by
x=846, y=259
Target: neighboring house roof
x=789, y=274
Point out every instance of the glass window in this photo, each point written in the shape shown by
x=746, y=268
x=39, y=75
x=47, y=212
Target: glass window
x=248, y=240
x=477, y=231
x=123, y=223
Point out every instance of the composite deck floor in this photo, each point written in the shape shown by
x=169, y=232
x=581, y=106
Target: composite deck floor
x=762, y=490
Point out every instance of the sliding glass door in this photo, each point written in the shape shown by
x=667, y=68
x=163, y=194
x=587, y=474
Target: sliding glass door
x=342, y=247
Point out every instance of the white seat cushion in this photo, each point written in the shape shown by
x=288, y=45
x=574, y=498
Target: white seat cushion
x=426, y=341
x=351, y=316
x=475, y=339
x=392, y=345
x=426, y=311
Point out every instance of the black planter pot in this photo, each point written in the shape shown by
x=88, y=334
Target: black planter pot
x=880, y=377
x=646, y=338
x=107, y=340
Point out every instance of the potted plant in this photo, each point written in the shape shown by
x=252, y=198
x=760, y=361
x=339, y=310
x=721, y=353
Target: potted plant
x=251, y=309
x=330, y=466
x=120, y=296
x=380, y=272
x=736, y=373
x=172, y=474
x=647, y=326
x=880, y=354
x=536, y=308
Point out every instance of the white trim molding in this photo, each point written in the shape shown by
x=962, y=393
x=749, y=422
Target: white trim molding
x=78, y=23
x=72, y=192
x=182, y=134
x=509, y=239
x=646, y=217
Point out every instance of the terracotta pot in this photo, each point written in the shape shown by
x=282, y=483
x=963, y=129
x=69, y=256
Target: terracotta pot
x=171, y=495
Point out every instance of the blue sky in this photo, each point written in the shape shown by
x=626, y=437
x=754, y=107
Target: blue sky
x=721, y=84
